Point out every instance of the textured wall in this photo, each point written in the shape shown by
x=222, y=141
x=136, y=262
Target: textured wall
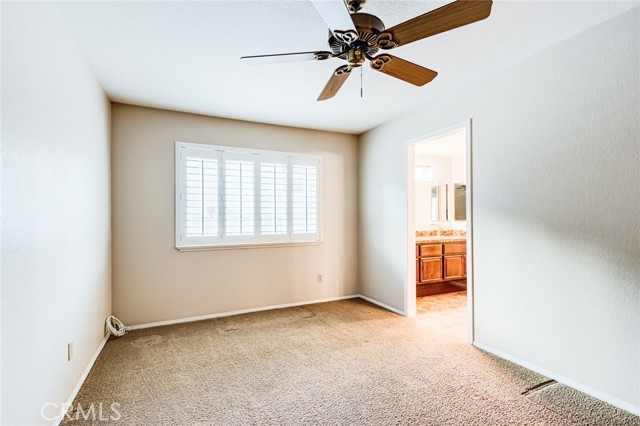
x=152, y=281
x=55, y=212
x=556, y=207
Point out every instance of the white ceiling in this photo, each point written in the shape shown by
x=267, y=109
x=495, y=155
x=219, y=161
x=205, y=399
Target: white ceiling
x=185, y=55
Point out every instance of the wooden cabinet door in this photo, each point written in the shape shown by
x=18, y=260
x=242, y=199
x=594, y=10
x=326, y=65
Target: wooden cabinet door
x=430, y=269
x=464, y=266
x=455, y=267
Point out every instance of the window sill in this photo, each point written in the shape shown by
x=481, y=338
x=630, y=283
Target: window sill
x=249, y=246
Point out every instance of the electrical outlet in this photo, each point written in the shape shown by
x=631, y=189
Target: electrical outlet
x=319, y=278
x=69, y=350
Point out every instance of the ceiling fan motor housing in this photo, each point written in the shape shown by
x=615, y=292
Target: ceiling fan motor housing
x=355, y=5
x=369, y=27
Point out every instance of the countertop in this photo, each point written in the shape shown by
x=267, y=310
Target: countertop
x=441, y=239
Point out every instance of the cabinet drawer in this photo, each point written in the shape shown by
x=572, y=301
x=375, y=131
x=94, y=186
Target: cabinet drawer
x=430, y=250
x=455, y=248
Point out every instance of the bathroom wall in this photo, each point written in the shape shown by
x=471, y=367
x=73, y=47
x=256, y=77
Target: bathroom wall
x=448, y=170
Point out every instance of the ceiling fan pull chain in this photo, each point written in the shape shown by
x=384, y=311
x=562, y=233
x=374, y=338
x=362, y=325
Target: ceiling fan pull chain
x=360, y=82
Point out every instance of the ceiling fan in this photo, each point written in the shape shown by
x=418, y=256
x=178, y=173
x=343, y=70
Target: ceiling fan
x=357, y=37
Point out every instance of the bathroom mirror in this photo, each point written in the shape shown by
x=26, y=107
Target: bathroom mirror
x=460, y=201
x=439, y=202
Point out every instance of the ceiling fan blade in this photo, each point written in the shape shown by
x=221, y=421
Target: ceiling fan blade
x=403, y=70
x=336, y=15
x=284, y=57
x=445, y=18
x=336, y=81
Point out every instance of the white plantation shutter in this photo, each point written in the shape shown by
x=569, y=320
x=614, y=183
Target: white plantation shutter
x=239, y=196
x=201, y=198
x=274, y=198
x=232, y=196
x=305, y=198
x=198, y=201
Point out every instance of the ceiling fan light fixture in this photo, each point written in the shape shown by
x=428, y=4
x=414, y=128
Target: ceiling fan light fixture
x=356, y=57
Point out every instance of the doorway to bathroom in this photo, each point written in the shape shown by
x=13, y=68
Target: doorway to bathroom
x=440, y=230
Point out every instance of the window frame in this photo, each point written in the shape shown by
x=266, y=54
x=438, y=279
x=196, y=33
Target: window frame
x=222, y=241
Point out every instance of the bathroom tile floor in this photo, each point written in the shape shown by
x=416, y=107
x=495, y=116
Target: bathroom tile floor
x=447, y=312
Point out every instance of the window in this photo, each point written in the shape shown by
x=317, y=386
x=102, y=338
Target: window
x=229, y=196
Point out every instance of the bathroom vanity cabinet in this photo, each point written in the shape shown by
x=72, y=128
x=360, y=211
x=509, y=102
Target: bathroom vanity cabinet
x=441, y=266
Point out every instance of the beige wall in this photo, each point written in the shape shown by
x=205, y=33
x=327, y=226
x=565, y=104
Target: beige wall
x=55, y=213
x=555, y=213
x=153, y=282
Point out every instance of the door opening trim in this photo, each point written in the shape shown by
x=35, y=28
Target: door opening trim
x=410, y=285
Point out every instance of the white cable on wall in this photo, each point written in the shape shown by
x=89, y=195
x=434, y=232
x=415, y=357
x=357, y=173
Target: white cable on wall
x=116, y=327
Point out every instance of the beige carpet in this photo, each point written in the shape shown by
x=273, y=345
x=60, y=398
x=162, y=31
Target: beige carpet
x=339, y=363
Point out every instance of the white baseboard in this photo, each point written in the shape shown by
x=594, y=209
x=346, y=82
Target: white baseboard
x=382, y=305
x=633, y=409
x=238, y=312
x=75, y=391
